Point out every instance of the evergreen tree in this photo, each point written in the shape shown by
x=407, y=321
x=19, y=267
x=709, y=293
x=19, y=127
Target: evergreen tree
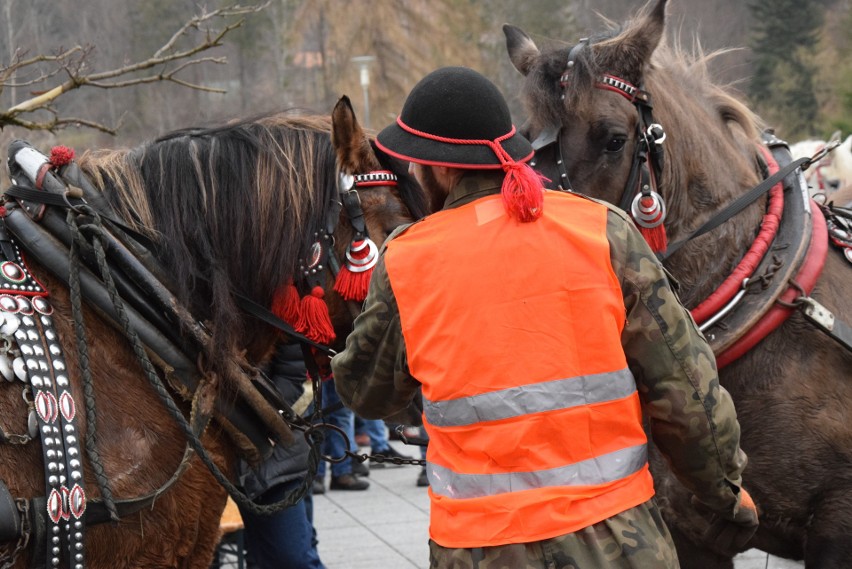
x=785, y=36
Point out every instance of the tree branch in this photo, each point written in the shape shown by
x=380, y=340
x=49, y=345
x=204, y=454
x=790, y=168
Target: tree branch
x=169, y=59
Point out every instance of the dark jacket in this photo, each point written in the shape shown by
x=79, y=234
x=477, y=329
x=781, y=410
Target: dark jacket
x=287, y=372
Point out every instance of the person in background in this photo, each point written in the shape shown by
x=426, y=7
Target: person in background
x=286, y=538
x=346, y=474
x=546, y=337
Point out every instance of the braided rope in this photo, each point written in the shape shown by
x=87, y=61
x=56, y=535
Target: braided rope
x=95, y=229
x=85, y=370
x=494, y=145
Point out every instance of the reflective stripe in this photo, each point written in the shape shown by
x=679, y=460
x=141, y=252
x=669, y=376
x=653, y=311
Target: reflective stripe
x=594, y=471
x=534, y=398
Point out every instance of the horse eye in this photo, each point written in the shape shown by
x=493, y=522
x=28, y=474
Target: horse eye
x=616, y=144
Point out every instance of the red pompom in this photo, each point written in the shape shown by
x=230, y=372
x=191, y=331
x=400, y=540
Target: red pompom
x=523, y=192
x=314, y=320
x=286, y=304
x=61, y=155
x=353, y=280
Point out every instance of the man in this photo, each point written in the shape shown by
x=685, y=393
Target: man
x=286, y=538
x=543, y=332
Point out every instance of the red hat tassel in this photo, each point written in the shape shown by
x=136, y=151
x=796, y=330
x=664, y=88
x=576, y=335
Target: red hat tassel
x=353, y=280
x=286, y=304
x=314, y=321
x=649, y=212
x=522, y=192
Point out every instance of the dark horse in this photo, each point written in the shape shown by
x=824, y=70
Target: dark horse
x=792, y=389
x=225, y=217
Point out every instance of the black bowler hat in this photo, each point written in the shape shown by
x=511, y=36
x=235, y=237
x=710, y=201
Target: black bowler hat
x=455, y=117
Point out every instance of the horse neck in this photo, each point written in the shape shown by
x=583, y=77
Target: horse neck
x=699, y=182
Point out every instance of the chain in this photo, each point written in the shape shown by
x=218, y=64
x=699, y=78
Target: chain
x=8, y=561
x=360, y=457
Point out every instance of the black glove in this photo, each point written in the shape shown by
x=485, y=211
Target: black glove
x=730, y=534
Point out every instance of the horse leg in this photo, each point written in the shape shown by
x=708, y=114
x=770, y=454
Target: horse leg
x=828, y=545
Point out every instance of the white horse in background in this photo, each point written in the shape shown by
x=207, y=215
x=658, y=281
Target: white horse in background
x=832, y=172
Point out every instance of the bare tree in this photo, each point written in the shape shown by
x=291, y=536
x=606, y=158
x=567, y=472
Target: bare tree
x=70, y=69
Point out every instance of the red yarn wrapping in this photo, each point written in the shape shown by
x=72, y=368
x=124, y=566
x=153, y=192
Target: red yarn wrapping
x=523, y=192
x=61, y=155
x=286, y=304
x=656, y=237
x=351, y=285
x=314, y=320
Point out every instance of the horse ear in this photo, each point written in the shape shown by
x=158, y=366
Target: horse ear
x=347, y=136
x=522, y=50
x=629, y=52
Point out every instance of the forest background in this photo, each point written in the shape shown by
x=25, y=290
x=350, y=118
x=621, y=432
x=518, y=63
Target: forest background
x=789, y=59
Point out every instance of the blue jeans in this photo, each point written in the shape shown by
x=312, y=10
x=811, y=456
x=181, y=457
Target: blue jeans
x=284, y=539
x=334, y=445
x=376, y=430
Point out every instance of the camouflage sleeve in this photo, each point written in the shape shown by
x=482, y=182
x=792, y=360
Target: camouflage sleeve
x=371, y=374
x=692, y=417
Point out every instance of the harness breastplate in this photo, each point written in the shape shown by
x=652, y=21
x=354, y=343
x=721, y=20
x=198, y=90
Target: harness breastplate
x=34, y=356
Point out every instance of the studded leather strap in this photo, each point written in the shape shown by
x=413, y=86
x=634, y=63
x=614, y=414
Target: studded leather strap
x=28, y=327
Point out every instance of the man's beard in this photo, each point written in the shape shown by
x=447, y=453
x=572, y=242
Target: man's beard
x=437, y=193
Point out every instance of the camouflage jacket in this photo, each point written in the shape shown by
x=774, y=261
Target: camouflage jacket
x=691, y=417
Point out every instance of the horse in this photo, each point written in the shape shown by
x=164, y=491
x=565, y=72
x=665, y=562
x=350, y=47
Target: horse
x=622, y=117
x=831, y=172
x=223, y=223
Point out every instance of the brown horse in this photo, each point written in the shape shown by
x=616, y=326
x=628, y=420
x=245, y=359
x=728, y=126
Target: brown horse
x=222, y=215
x=792, y=389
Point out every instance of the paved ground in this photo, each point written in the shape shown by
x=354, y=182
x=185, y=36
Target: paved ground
x=386, y=526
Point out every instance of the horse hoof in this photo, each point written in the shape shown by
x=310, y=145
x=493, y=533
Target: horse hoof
x=6, y=368
x=10, y=326
x=20, y=369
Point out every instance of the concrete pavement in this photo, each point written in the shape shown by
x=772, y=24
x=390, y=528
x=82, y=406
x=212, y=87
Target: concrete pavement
x=386, y=526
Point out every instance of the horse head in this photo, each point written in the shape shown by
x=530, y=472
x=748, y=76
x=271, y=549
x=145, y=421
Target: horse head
x=628, y=114
x=387, y=194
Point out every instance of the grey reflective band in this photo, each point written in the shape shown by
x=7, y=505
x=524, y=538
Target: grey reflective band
x=599, y=470
x=533, y=398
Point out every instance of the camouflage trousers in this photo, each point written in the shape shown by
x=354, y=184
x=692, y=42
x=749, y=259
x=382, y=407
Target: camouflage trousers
x=634, y=539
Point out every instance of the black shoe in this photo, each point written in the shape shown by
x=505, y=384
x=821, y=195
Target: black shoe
x=389, y=453
x=422, y=479
x=360, y=468
x=318, y=485
x=348, y=482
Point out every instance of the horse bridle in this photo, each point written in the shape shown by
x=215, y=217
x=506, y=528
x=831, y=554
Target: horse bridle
x=641, y=197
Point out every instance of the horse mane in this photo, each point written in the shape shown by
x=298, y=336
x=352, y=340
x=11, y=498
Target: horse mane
x=230, y=207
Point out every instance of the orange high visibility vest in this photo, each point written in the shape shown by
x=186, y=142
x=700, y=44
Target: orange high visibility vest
x=514, y=331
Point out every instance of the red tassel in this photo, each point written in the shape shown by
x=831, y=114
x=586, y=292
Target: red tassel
x=352, y=284
x=314, y=321
x=60, y=156
x=286, y=305
x=656, y=237
x=523, y=192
